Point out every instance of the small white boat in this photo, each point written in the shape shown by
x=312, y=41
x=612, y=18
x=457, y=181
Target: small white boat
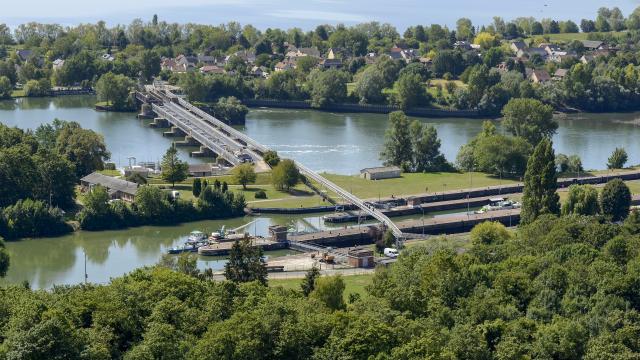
x=496, y=204
x=196, y=236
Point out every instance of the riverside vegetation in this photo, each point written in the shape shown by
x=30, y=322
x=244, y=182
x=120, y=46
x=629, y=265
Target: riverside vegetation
x=443, y=70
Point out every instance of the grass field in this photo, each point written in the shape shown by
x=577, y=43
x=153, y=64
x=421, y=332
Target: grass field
x=410, y=184
x=567, y=37
x=18, y=93
x=353, y=284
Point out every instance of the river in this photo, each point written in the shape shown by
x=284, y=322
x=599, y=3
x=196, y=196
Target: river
x=336, y=143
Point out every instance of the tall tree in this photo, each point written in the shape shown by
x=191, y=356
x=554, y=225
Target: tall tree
x=173, y=169
x=114, y=90
x=244, y=174
x=329, y=290
x=540, y=184
x=85, y=148
x=582, y=200
x=410, y=91
x=197, y=187
x=615, y=200
x=309, y=282
x=245, y=263
x=150, y=64
x=530, y=119
x=4, y=259
x=397, y=145
x=426, y=148
x=285, y=175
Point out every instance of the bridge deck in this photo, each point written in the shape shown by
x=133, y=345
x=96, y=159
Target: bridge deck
x=226, y=141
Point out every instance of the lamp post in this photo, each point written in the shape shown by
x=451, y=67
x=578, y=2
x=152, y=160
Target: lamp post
x=422, y=208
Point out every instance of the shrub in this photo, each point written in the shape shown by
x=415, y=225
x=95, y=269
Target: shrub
x=617, y=159
x=260, y=194
x=32, y=218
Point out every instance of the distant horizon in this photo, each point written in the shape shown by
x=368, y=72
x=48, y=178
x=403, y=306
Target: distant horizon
x=306, y=15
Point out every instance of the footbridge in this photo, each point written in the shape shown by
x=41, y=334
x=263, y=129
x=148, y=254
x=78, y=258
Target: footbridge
x=234, y=146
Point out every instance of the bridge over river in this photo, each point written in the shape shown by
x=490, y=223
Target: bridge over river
x=234, y=146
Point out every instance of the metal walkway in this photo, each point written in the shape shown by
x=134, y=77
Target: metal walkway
x=226, y=141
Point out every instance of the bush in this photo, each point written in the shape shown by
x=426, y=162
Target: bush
x=615, y=200
x=230, y=110
x=37, y=87
x=271, y=158
x=260, y=194
x=32, y=218
x=617, y=159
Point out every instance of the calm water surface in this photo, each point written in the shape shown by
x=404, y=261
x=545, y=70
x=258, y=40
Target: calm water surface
x=337, y=143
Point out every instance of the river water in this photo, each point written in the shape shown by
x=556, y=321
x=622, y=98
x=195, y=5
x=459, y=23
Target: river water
x=335, y=143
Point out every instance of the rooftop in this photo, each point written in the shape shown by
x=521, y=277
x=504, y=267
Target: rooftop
x=111, y=183
x=379, y=169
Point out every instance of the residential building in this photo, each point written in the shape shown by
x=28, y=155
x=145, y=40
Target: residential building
x=539, y=76
x=331, y=63
x=462, y=45
x=379, y=173
x=591, y=45
x=560, y=74
x=24, y=54
x=211, y=69
x=530, y=52
x=587, y=58
x=207, y=60
x=284, y=66
x=118, y=189
x=259, y=71
x=57, y=64
x=516, y=46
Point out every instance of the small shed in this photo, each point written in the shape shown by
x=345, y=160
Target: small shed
x=200, y=170
x=361, y=258
x=379, y=173
x=278, y=233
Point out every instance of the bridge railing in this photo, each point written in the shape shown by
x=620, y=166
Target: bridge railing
x=352, y=199
x=169, y=97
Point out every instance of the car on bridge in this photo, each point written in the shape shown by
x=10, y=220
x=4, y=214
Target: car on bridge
x=245, y=158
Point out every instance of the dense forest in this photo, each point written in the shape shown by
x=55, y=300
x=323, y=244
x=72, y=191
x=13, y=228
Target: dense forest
x=561, y=288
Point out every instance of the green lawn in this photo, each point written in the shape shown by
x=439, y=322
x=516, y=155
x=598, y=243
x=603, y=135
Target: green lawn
x=350, y=88
x=353, y=284
x=18, y=93
x=410, y=184
x=567, y=37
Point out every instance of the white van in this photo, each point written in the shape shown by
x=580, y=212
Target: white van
x=391, y=252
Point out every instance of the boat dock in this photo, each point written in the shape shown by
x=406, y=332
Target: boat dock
x=223, y=248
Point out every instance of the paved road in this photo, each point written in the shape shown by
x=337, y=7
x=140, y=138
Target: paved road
x=301, y=274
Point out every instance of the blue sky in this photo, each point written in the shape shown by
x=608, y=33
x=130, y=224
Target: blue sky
x=300, y=13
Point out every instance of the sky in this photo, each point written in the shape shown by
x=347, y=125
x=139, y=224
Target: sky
x=305, y=14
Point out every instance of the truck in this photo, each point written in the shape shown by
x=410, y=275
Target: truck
x=391, y=253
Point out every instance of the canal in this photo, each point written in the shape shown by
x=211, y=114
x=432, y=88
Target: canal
x=335, y=143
